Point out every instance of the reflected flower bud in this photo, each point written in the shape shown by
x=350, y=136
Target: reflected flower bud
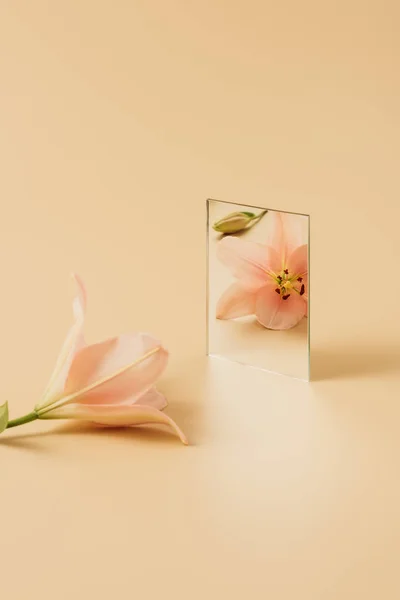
x=236, y=221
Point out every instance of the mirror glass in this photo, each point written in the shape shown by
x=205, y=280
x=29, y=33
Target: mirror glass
x=258, y=292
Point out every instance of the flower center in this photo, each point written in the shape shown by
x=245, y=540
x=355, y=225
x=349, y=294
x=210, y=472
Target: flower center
x=288, y=283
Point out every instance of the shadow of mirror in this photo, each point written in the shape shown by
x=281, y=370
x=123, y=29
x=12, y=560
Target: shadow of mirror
x=354, y=360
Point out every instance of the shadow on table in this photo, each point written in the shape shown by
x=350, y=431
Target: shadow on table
x=27, y=441
x=354, y=360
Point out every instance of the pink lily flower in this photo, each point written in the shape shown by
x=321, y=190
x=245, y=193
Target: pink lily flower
x=110, y=383
x=271, y=279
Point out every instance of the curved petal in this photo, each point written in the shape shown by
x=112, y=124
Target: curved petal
x=298, y=265
x=298, y=260
x=152, y=398
x=116, y=416
x=72, y=344
x=305, y=295
x=236, y=301
x=288, y=231
x=115, y=371
x=275, y=313
x=248, y=261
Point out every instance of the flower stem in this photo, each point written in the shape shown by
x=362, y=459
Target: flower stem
x=32, y=416
x=259, y=216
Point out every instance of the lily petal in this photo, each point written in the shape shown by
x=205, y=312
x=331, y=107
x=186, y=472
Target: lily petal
x=152, y=398
x=115, y=371
x=116, y=416
x=236, y=301
x=305, y=295
x=298, y=260
x=72, y=344
x=287, y=232
x=248, y=261
x=275, y=313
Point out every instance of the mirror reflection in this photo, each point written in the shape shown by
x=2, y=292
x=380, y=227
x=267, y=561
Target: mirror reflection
x=258, y=292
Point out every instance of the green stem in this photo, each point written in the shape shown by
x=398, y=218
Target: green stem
x=22, y=420
x=259, y=216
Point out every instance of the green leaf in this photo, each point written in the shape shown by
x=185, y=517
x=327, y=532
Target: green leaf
x=3, y=417
x=248, y=214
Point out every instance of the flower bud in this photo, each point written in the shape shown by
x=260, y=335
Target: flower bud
x=234, y=222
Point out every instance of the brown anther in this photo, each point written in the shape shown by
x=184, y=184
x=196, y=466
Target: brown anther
x=278, y=290
x=302, y=289
x=286, y=271
x=279, y=278
x=299, y=279
x=285, y=297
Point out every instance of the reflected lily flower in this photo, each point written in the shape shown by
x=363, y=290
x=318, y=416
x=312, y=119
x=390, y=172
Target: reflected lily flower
x=271, y=279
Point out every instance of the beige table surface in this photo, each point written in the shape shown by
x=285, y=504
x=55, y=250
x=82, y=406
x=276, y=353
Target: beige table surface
x=118, y=119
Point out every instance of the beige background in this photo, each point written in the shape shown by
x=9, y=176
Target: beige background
x=118, y=119
x=245, y=340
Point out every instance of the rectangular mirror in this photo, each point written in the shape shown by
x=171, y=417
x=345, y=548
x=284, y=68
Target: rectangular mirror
x=258, y=292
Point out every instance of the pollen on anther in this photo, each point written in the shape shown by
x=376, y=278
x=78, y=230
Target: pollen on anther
x=286, y=271
x=285, y=297
x=302, y=289
x=299, y=279
x=278, y=291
